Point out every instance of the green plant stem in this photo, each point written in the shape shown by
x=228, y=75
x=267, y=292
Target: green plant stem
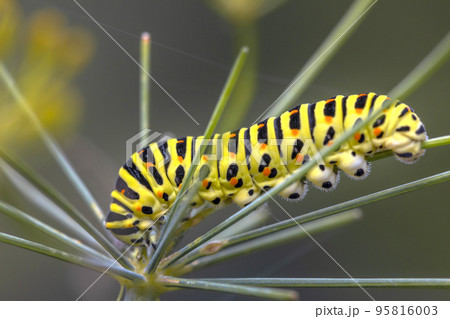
x=437, y=141
x=54, y=233
x=175, y=219
x=295, y=176
x=329, y=47
x=424, y=69
x=191, y=263
x=242, y=96
x=89, y=263
x=51, y=144
x=42, y=185
x=338, y=282
x=268, y=293
x=145, y=81
x=338, y=208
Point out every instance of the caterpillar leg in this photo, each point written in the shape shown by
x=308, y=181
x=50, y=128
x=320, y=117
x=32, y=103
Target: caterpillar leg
x=296, y=191
x=323, y=176
x=353, y=164
x=196, y=201
x=245, y=196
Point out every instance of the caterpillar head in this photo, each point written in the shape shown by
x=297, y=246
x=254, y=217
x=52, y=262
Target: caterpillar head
x=408, y=135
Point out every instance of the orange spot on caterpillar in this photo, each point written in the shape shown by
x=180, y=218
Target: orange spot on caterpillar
x=358, y=111
x=260, y=125
x=205, y=158
x=122, y=191
x=328, y=119
x=263, y=146
x=233, y=181
x=266, y=171
x=138, y=208
x=149, y=165
x=180, y=159
x=299, y=158
x=180, y=141
x=128, y=224
x=179, y=186
x=362, y=95
x=357, y=136
x=294, y=132
x=329, y=100
x=330, y=143
x=232, y=135
x=205, y=183
x=142, y=151
x=293, y=112
x=377, y=131
x=159, y=194
x=232, y=155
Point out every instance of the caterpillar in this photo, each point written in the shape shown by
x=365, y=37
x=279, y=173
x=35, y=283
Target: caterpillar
x=245, y=162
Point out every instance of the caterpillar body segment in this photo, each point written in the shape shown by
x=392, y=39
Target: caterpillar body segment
x=248, y=161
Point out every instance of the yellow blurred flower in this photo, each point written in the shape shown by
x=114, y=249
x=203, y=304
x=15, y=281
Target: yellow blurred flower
x=44, y=53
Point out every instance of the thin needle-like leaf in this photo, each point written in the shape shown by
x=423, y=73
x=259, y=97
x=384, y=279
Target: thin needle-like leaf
x=338, y=208
x=424, y=69
x=56, y=234
x=94, y=264
x=329, y=47
x=51, y=144
x=411, y=82
x=220, y=254
x=268, y=293
x=338, y=282
x=244, y=92
x=256, y=219
x=45, y=206
x=65, y=205
x=145, y=81
x=173, y=222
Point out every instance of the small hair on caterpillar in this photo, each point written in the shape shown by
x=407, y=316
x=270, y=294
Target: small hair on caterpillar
x=246, y=162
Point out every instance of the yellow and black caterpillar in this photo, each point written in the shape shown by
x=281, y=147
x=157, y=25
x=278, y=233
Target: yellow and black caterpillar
x=245, y=161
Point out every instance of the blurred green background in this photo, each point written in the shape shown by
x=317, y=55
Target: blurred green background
x=193, y=48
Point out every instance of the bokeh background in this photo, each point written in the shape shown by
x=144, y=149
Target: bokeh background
x=193, y=46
